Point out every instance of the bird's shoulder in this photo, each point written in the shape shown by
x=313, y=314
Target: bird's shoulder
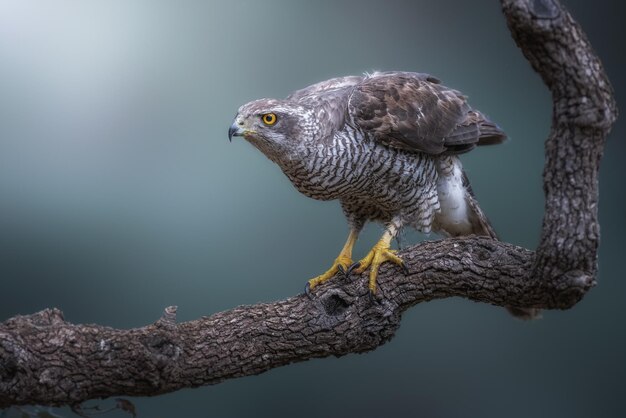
x=326, y=88
x=328, y=100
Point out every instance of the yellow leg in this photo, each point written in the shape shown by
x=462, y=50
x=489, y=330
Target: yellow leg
x=344, y=260
x=380, y=253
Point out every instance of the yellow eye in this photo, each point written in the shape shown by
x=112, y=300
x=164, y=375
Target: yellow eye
x=269, y=118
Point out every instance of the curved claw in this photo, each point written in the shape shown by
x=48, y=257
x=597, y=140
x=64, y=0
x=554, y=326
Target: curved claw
x=378, y=255
x=307, y=290
x=339, y=266
x=353, y=267
x=373, y=296
x=365, y=262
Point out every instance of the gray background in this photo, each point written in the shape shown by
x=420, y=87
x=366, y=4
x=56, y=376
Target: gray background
x=121, y=195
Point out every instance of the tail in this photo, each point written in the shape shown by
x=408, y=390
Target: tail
x=477, y=218
x=460, y=214
x=475, y=130
x=490, y=133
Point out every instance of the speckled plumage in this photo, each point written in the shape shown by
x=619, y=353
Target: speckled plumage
x=384, y=145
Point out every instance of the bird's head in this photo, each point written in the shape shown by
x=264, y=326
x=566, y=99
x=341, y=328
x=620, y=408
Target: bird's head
x=275, y=127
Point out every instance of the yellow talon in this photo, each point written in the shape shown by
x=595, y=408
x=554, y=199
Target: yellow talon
x=344, y=261
x=341, y=261
x=378, y=255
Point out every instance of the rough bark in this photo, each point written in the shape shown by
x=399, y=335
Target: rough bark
x=46, y=360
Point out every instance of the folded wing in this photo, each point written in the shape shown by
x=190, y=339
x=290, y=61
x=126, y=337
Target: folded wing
x=415, y=112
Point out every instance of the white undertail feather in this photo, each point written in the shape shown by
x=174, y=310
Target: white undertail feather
x=460, y=214
x=454, y=216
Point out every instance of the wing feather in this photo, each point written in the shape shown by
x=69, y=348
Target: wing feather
x=414, y=111
x=323, y=87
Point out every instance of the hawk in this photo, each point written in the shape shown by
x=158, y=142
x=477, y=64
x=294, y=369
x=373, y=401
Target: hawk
x=385, y=145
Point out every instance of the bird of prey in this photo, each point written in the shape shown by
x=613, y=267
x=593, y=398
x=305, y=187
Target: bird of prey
x=386, y=146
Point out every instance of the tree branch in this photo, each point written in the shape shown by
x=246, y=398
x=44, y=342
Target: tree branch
x=46, y=360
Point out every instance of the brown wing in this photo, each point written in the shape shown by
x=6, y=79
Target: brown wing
x=415, y=112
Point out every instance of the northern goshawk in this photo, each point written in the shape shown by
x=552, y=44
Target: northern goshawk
x=385, y=145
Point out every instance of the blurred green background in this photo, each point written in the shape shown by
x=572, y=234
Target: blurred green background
x=120, y=195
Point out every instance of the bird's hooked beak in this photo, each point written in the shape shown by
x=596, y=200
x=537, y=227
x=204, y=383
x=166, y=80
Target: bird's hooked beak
x=234, y=130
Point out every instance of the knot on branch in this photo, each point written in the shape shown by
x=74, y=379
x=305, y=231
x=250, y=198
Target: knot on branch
x=341, y=304
x=8, y=361
x=532, y=18
x=162, y=346
x=333, y=301
x=572, y=286
x=545, y=9
x=335, y=304
x=168, y=319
